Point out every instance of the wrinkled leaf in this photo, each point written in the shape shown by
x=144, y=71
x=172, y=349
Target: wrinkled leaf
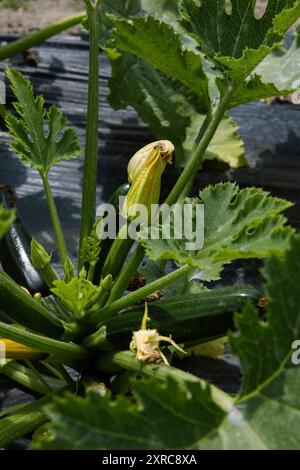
x=166, y=10
x=281, y=67
x=236, y=43
x=238, y=224
x=159, y=44
x=236, y=39
x=171, y=110
x=262, y=340
x=226, y=145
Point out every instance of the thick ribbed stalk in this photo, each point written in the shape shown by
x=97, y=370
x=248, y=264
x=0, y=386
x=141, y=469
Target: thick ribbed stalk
x=61, y=244
x=113, y=362
x=88, y=209
x=38, y=37
x=27, y=378
x=63, y=350
x=26, y=420
x=23, y=422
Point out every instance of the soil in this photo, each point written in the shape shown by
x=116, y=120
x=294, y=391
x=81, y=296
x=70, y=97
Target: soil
x=35, y=14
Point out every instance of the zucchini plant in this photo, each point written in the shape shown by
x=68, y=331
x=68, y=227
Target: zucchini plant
x=99, y=355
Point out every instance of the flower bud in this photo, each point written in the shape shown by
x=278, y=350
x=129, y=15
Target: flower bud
x=41, y=261
x=39, y=255
x=141, y=157
x=144, y=173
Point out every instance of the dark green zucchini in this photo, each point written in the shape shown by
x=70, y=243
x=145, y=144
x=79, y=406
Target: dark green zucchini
x=195, y=317
x=121, y=191
x=15, y=250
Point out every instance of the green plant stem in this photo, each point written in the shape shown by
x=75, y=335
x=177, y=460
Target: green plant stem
x=10, y=410
x=39, y=376
x=60, y=349
x=88, y=209
x=59, y=371
x=91, y=272
x=49, y=275
x=27, y=378
x=196, y=158
x=61, y=244
x=200, y=136
x=113, y=362
x=24, y=421
x=23, y=44
x=183, y=183
x=109, y=310
x=117, y=253
x=127, y=274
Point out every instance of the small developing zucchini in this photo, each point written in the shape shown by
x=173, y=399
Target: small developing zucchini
x=15, y=249
x=189, y=319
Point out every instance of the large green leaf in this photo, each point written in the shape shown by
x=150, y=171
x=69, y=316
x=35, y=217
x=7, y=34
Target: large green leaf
x=236, y=43
x=158, y=43
x=171, y=417
x=261, y=340
x=278, y=74
x=234, y=37
x=177, y=416
x=6, y=219
x=166, y=10
x=226, y=145
x=238, y=223
x=182, y=413
x=171, y=110
x=36, y=148
x=282, y=66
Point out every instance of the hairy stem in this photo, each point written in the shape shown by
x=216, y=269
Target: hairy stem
x=88, y=209
x=61, y=244
x=23, y=44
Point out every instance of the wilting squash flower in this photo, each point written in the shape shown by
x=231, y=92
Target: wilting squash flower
x=145, y=343
x=144, y=174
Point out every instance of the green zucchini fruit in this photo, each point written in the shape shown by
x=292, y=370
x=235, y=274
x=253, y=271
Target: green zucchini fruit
x=15, y=251
x=192, y=318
